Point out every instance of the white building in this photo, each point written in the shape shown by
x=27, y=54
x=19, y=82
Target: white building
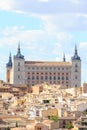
x=64, y=73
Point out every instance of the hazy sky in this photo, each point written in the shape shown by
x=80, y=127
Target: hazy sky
x=46, y=30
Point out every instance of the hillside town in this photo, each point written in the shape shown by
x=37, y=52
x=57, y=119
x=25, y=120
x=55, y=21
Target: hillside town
x=43, y=95
x=42, y=107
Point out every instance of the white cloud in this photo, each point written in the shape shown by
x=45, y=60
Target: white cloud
x=34, y=40
x=64, y=36
x=12, y=35
x=43, y=0
x=59, y=57
x=67, y=22
x=58, y=52
x=74, y=1
x=83, y=45
x=6, y=4
x=56, y=14
x=46, y=6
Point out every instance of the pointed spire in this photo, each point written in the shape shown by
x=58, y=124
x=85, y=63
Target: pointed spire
x=19, y=48
x=76, y=57
x=76, y=50
x=10, y=59
x=9, y=64
x=19, y=55
x=64, y=59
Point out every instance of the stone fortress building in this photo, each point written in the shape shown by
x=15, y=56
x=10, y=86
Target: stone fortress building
x=20, y=71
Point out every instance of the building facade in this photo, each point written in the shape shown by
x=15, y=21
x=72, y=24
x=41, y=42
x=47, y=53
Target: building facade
x=63, y=73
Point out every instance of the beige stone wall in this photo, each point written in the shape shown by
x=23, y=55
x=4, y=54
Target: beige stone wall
x=54, y=125
x=52, y=74
x=50, y=112
x=84, y=88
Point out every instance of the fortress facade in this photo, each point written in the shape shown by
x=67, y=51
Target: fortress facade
x=20, y=71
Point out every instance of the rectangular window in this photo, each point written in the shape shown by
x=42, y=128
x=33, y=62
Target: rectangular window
x=33, y=68
x=18, y=63
x=41, y=68
x=41, y=77
x=58, y=78
x=54, y=68
x=32, y=77
x=75, y=85
x=67, y=78
x=28, y=77
x=62, y=78
x=18, y=69
x=75, y=77
x=37, y=77
x=46, y=77
x=76, y=70
x=46, y=68
x=54, y=78
x=18, y=76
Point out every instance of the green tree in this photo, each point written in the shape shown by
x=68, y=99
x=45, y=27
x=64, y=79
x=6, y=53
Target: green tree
x=69, y=126
x=8, y=128
x=85, y=113
x=54, y=118
x=16, y=124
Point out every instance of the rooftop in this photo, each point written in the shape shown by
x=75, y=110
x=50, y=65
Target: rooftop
x=46, y=63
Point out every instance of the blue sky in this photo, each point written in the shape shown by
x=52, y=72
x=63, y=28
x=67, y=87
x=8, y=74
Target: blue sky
x=46, y=30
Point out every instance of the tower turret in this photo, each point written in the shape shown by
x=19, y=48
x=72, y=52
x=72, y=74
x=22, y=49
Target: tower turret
x=19, y=55
x=75, y=57
x=9, y=64
x=8, y=69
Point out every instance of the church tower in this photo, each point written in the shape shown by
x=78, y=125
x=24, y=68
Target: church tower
x=76, y=70
x=8, y=69
x=18, y=67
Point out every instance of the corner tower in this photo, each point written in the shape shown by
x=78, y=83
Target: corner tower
x=76, y=70
x=8, y=69
x=18, y=67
